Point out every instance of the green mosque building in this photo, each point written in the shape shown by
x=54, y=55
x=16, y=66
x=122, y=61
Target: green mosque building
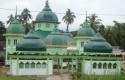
x=46, y=51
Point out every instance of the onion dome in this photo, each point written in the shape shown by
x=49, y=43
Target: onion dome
x=85, y=30
x=69, y=36
x=98, y=44
x=55, y=38
x=31, y=42
x=15, y=28
x=46, y=15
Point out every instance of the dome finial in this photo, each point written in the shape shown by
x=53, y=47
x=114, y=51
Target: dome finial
x=16, y=13
x=86, y=17
x=47, y=3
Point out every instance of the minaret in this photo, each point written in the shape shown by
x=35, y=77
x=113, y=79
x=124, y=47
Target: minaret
x=14, y=34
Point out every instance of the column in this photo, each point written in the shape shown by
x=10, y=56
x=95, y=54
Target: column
x=17, y=66
x=47, y=66
x=72, y=66
x=83, y=66
x=10, y=64
x=58, y=64
x=61, y=64
x=91, y=67
x=76, y=64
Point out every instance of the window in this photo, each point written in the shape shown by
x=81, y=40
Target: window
x=104, y=66
x=99, y=65
x=39, y=25
x=15, y=41
x=47, y=25
x=21, y=65
x=44, y=65
x=38, y=65
x=8, y=41
x=27, y=65
x=114, y=66
x=109, y=66
x=82, y=43
x=32, y=65
x=94, y=65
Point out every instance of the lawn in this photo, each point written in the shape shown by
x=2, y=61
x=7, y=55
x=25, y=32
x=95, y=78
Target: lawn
x=4, y=76
x=97, y=77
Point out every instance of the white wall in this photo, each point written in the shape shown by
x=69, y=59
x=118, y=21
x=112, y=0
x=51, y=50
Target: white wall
x=30, y=71
x=88, y=68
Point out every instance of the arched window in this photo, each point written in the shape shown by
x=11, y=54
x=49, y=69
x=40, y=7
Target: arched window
x=27, y=65
x=9, y=41
x=21, y=65
x=104, y=66
x=94, y=65
x=114, y=66
x=47, y=25
x=109, y=66
x=32, y=65
x=38, y=65
x=15, y=41
x=100, y=65
x=44, y=65
x=39, y=25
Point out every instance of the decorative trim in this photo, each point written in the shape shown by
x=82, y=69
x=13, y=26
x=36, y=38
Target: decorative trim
x=83, y=37
x=56, y=46
x=14, y=35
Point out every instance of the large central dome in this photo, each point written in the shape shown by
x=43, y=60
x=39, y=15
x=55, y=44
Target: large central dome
x=46, y=15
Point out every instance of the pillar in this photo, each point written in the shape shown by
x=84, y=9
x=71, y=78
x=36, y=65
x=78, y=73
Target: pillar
x=47, y=66
x=17, y=66
x=72, y=66
x=61, y=64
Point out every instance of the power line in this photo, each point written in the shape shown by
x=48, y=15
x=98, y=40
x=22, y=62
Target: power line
x=64, y=13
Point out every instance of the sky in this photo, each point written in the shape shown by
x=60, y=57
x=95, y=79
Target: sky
x=106, y=10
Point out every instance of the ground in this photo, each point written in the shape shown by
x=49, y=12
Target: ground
x=76, y=76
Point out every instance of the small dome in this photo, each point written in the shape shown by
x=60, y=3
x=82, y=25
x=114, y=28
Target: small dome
x=69, y=36
x=55, y=38
x=85, y=30
x=15, y=28
x=46, y=15
x=98, y=44
x=31, y=42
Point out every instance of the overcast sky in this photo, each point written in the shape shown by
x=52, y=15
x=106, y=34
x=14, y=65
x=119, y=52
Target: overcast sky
x=115, y=7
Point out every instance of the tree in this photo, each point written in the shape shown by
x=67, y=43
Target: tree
x=68, y=18
x=94, y=21
x=11, y=18
x=24, y=18
x=2, y=31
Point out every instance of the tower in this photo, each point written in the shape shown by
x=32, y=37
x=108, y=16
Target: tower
x=14, y=34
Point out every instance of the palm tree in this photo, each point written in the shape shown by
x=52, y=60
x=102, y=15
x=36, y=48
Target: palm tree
x=11, y=18
x=2, y=30
x=25, y=17
x=94, y=21
x=68, y=18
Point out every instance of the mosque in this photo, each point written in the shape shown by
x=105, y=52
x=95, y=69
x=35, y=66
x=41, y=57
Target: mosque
x=45, y=50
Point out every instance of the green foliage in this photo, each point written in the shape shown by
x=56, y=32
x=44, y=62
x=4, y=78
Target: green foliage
x=68, y=18
x=2, y=31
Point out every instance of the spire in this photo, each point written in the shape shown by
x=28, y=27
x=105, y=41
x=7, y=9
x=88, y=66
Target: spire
x=86, y=17
x=16, y=13
x=47, y=8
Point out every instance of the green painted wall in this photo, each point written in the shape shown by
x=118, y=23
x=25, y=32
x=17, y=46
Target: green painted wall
x=42, y=26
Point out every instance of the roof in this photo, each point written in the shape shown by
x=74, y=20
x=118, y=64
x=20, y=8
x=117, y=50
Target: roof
x=55, y=38
x=85, y=30
x=46, y=15
x=42, y=33
x=31, y=42
x=15, y=28
x=98, y=44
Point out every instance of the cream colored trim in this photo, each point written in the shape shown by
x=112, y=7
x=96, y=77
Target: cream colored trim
x=15, y=35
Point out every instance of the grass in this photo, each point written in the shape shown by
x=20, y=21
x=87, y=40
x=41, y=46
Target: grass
x=4, y=76
x=97, y=77
x=14, y=78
